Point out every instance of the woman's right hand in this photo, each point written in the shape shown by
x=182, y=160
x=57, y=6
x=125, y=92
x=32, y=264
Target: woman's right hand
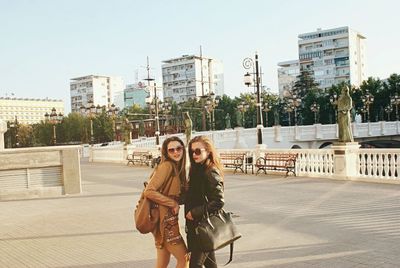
x=175, y=209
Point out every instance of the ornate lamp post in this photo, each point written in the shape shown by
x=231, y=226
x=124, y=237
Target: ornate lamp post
x=112, y=112
x=296, y=102
x=395, y=100
x=288, y=108
x=333, y=100
x=388, y=110
x=210, y=105
x=91, y=110
x=14, y=125
x=267, y=108
x=154, y=104
x=315, y=109
x=248, y=63
x=367, y=100
x=243, y=107
x=166, y=108
x=54, y=119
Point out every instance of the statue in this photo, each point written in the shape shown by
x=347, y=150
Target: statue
x=344, y=116
x=188, y=126
x=276, y=118
x=227, y=121
x=239, y=119
x=127, y=131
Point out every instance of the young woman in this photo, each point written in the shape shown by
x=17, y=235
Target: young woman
x=205, y=179
x=165, y=188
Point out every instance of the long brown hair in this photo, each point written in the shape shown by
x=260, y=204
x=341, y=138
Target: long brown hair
x=180, y=167
x=213, y=160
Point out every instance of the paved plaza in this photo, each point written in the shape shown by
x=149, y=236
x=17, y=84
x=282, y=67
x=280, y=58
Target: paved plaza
x=285, y=222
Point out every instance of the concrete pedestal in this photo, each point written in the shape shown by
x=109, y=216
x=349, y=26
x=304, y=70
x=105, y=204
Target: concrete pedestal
x=345, y=160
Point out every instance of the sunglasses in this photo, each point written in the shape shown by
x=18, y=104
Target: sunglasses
x=177, y=149
x=198, y=151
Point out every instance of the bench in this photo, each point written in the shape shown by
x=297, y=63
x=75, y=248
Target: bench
x=233, y=160
x=277, y=161
x=142, y=158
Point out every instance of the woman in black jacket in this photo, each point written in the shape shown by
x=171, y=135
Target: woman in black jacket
x=205, y=179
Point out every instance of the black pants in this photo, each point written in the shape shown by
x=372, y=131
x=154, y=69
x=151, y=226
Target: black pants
x=199, y=258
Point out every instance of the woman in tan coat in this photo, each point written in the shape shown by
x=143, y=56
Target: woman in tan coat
x=165, y=188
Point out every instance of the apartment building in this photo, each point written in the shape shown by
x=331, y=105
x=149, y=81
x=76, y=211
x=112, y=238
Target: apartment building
x=190, y=77
x=101, y=90
x=333, y=56
x=28, y=111
x=287, y=76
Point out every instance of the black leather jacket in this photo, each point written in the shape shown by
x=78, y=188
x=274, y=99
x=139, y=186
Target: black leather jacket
x=202, y=183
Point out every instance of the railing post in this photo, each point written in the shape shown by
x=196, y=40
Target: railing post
x=277, y=132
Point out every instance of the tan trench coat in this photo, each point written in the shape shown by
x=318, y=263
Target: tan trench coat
x=163, y=184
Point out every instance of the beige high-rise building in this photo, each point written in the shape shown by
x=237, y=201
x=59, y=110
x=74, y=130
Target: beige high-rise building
x=333, y=56
x=28, y=111
x=101, y=90
x=190, y=77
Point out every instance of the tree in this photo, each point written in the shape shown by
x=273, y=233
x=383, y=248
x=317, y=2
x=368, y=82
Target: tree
x=304, y=83
x=25, y=135
x=375, y=88
x=74, y=127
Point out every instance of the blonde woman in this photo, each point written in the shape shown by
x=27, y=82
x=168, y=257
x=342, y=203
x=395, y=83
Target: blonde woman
x=165, y=188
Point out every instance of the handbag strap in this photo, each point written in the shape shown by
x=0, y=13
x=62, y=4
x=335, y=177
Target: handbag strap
x=230, y=256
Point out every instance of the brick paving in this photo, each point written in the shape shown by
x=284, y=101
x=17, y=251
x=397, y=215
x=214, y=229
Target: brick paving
x=285, y=222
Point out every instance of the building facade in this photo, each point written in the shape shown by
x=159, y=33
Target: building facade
x=287, y=76
x=190, y=77
x=28, y=111
x=101, y=90
x=333, y=56
x=140, y=93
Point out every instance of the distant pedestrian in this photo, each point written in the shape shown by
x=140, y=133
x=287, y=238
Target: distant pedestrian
x=205, y=179
x=166, y=188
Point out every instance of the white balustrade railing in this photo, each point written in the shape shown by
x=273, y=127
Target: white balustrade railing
x=376, y=164
x=284, y=137
x=379, y=163
x=314, y=162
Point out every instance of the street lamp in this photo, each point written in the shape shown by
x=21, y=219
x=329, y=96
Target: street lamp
x=333, y=99
x=388, y=110
x=367, y=100
x=295, y=102
x=166, y=108
x=14, y=126
x=267, y=108
x=112, y=112
x=91, y=110
x=315, y=109
x=248, y=63
x=210, y=105
x=288, y=108
x=243, y=107
x=395, y=100
x=54, y=119
x=153, y=104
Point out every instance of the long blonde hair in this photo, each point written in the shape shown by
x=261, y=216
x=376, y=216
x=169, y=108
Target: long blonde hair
x=180, y=167
x=213, y=160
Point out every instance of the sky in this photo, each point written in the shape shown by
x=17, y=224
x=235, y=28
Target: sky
x=45, y=43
